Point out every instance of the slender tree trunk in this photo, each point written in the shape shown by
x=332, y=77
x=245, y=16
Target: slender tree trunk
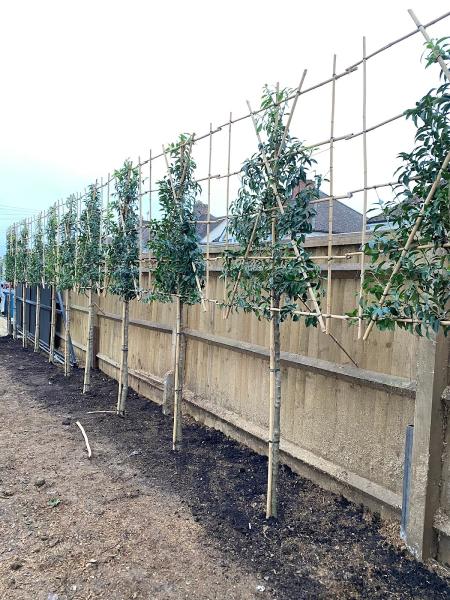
x=89, y=346
x=37, y=326
x=123, y=377
x=9, y=312
x=178, y=376
x=24, y=316
x=67, y=336
x=275, y=410
x=15, y=313
x=51, y=354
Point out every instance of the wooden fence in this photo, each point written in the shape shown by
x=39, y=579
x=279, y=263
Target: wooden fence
x=343, y=426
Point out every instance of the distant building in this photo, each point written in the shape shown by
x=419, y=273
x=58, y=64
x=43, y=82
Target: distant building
x=345, y=220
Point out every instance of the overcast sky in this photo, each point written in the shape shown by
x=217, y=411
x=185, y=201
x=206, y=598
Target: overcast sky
x=87, y=84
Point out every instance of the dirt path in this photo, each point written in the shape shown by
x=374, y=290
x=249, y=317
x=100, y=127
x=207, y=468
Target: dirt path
x=92, y=529
x=137, y=521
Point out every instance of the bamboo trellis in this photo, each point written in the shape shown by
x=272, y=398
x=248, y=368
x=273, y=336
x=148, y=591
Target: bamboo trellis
x=152, y=163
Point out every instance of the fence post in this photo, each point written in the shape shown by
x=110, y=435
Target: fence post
x=432, y=365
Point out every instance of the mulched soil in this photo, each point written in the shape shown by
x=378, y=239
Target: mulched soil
x=322, y=546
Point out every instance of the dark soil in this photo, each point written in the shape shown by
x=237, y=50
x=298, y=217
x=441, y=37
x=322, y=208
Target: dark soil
x=322, y=546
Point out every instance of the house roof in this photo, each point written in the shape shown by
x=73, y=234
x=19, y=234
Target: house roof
x=345, y=220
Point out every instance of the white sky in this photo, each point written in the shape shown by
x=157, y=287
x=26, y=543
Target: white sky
x=87, y=84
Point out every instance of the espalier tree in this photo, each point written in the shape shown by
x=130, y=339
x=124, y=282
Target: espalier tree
x=22, y=265
x=51, y=270
x=269, y=219
x=10, y=270
x=408, y=282
x=174, y=245
x=66, y=266
x=36, y=274
x=123, y=257
x=88, y=266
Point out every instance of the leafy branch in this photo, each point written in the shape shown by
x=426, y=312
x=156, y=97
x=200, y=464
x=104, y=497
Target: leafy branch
x=67, y=251
x=89, y=254
x=419, y=297
x=122, y=221
x=255, y=214
x=173, y=239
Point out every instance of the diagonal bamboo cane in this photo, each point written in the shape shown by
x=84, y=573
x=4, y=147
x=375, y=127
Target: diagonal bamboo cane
x=409, y=241
x=423, y=31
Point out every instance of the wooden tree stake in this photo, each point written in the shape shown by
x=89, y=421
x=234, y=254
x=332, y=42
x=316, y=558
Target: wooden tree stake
x=37, y=326
x=123, y=376
x=89, y=345
x=178, y=376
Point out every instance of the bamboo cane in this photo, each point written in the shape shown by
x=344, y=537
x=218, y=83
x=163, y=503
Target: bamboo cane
x=67, y=336
x=364, y=222
x=105, y=280
x=423, y=31
x=227, y=220
x=149, y=211
x=24, y=316
x=331, y=200
x=208, y=226
x=141, y=226
x=123, y=376
x=15, y=286
x=37, y=325
x=89, y=345
x=51, y=354
x=409, y=241
x=10, y=283
x=177, y=436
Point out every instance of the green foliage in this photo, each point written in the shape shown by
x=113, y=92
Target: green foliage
x=122, y=253
x=10, y=256
x=66, y=255
x=173, y=240
x=22, y=254
x=36, y=264
x=290, y=164
x=421, y=289
x=89, y=257
x=51, y=252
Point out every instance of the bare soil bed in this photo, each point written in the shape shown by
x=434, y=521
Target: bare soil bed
x=138, y=521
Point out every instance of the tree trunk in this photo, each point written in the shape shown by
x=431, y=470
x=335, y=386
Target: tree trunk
x=67, y=336
x=89, y=346
x=37, y=323
x=180, y=347
x=275, y=410
x=15, y=313
x=9, y=312
x=51, y=353
x=24, y=316
x=123, y=377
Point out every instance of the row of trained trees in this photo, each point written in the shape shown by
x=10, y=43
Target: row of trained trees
x=268, y=272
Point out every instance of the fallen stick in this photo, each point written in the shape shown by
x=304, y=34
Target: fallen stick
x=95, y=412
x=85, y=438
